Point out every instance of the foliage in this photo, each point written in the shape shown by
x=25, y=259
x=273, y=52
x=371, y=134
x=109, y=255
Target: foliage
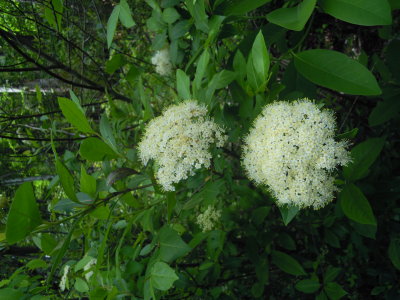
x=82, y=217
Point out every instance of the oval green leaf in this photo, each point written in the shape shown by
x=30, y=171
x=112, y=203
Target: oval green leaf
x=162, y=276
x=74, y=114
x=95, y=149
x=24, y=215
x=293, y=18
x=336, y=71
x=360, y=12
x=287, y=263
x=67, y=181
x=355, y=206
x=363, y=156
x=308, y=286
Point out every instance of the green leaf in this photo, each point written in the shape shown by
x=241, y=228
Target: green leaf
x=394, y=252
x=201, y=68
x=67, y=181
x=308, y=286
x=11, y=294
x=36, y=264
x=363, y=156
x=53, y=14
x=355, y=206
x=116, y=62
x=334, y=291
x=95, y=149
x=288, y=213
x=287, y=263
x=171, y=245
x=107, y=133
x=183, y=85
x=74, y=114
x=260, y=58
x=112, y=24
x=24, y=215
x=331, y=274
x=81, y=285
x=293, y=18
x=360, y=12
x=351, y=134
x=87, y=182
x=384, y=111
x=222, y=79
x=170, y=15
x=125, y=15
x=336, y=71
x=162, y=276
x=240, y=7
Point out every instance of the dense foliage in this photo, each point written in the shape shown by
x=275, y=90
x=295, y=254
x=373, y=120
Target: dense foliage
x=115, y=186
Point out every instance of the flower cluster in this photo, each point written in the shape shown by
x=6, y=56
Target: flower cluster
x=64, y=278
x=162, y=61
x=179, y=141
x=88, y=267
x=208, y=219
x=291, y=149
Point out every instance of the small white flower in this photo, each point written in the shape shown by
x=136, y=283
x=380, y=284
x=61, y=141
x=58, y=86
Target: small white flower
x=162, y=61
x=291, y=149
x=64, y=278
x=88, y=266
x=208, y=219
x=179, y=141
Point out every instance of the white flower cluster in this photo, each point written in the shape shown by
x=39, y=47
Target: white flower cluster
x=179, y=142
x=64, y=278
x=89, y=266
x=162, y=61
x=291, y=149
x=208, y=219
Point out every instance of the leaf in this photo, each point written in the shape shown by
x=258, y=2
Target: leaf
x=360, y=12
x=293, y=18
x=74, y=114
x=117, y=61
x=240, y=7
x=183, y=85
x=67, y=181
x=331, y=273
x=351, y=134
x=308, y=286
x=170, y=15
x=107, y=133
x=394, y=252
x=334, y=291
x=87, y=182
x=119, y=174
x=24, y=215
x=287, y=263
x=11, y=294
x=260, y=58
x=81, y=285
x=125, y=15
x=201, y=67
x=171, y=245
x=95, y=149
x=222, y=79
x=384, y=111
x=288, y=213
x=112, y=24
x=336, y=71
x=53, y=14
x=363, y=156
x=162, y=276
x=355, y=206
